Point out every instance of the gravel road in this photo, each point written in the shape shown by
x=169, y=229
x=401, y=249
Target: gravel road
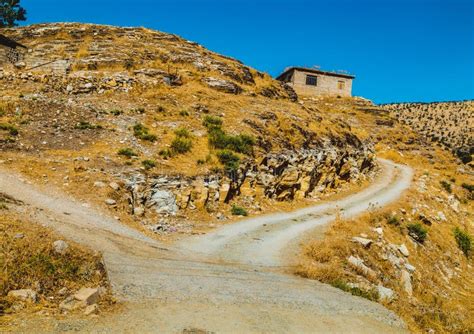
x=227, y=281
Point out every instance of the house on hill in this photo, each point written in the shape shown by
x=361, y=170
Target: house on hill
x=309, y=81
x=11, y=52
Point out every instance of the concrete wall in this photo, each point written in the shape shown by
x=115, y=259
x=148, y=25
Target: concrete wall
x=326, y=84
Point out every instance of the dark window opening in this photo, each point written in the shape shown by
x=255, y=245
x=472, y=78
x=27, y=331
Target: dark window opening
x=311, y=80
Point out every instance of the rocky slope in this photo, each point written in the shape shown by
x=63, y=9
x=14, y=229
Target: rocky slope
x=449, y=123
x=165, y=131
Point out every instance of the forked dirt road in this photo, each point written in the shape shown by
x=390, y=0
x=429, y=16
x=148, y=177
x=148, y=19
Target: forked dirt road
x=228, y=281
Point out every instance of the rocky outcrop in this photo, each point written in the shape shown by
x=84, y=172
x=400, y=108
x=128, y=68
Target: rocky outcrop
x=285, y=176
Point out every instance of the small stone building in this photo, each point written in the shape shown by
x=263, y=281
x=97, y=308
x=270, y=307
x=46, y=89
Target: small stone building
x=309, y=81
x=11, y=52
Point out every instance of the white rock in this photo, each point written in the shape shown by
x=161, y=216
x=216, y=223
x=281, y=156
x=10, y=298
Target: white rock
x=363, y=241
x=110, y=201
x=441, y=216
x=164, y=201
x=410, y=267
x=91, y=309
x=60, y=246
x=114, y=185
x=379, y=231
x=453, y=203
x=405, y=281
x=360, y=266
x=99, y=184
x=87, y=295
x=404, y=250
x=24, y=294
x=385, y=294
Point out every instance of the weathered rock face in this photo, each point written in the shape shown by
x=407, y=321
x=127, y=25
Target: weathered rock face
x=285, y=176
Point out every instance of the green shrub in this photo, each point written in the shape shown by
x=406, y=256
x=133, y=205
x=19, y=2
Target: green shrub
x=200, y=162
x=238, y=211
x=468, y=187
x=128, y=152
x=212, y=122
x=417, y=232
x=393, y=220
x=115, y=112
x=356, y=291
x=447, y=186
x=240, y=143
x=83, y=125
x=165, y=154
x=181, y=145
x=464, y=241
x=142, y=132
x=12, y=130
x=230, y=160
x=140, y=110
x=148, y=164
x=184, y=113
x=183, y=133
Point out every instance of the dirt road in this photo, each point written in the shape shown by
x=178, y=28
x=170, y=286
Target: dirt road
x=226, y=281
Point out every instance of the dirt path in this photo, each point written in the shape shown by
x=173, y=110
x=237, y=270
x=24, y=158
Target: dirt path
x=222, y=282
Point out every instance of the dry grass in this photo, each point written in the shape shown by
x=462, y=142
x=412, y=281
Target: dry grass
x=28, y=261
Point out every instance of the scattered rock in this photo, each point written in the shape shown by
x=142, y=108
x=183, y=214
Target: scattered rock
x=91, y=309
x=164, y=202
x=385, y=294
x=19, y=236
x=404, y=250
x=410, y=267
x=99, y=184
x=441, y=217
x=110, y=201
x=24, y=295
x=60, y=247
x=359, y=265
x=379, y=231
x=87, y=295
x=114, y=185
x=223, y=85
x=405, y=281
x=363, y=241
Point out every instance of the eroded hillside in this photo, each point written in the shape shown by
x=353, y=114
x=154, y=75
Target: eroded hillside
x=163, y=132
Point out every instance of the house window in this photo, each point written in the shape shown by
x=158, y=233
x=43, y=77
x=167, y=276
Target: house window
x=341, y=84
x=311, y=80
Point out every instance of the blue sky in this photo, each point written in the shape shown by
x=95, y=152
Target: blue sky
x=400, y=50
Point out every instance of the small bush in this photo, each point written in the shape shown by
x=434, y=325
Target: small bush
x=417, y=232
x=140, y=110
x=165, y=154
x=238, y=211
x=468, y=187
x=356, y=291
x=183, y=133
x=83, y=125
x=393, y=220
x=447, y=186
x=148, y=164
x=181, y=145
x=116, y=112
x=200, y=162
x=127, y=152
x=240, y=143
x=12, y=130
x=184, y=113
x=142, y=132
x=212, y=122
x=464, y=241
x=230, y=160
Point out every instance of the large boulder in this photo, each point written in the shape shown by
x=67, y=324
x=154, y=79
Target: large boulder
x=222, y=85
x=164, y=201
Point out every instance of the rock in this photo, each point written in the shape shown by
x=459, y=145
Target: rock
x=114, y=185
x=63, y=291
x=453, y=203
x=425, y=220
x=223, y=85
x=139, y=211
x=359, y=265
x=24, y=295
x=363, y=241
x=99, y=184
x=69, y=304
x=87, y=295
x=385, y=294
x=409, y=267
x=110, y=201
x=441, y=217
x=19, y=236
x=164, y=202
x=91, y=309
x=379, y=231
x=60, y=247
x=405, y=281
x=403, y=250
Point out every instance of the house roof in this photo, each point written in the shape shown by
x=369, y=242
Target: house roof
x=8, y=42
x=315, y=71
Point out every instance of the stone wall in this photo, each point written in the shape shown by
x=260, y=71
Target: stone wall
x=326, y=84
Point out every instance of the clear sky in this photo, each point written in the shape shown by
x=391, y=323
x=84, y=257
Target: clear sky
x=400, y=50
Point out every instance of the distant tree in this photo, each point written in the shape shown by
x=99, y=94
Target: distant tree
x=10, y=13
